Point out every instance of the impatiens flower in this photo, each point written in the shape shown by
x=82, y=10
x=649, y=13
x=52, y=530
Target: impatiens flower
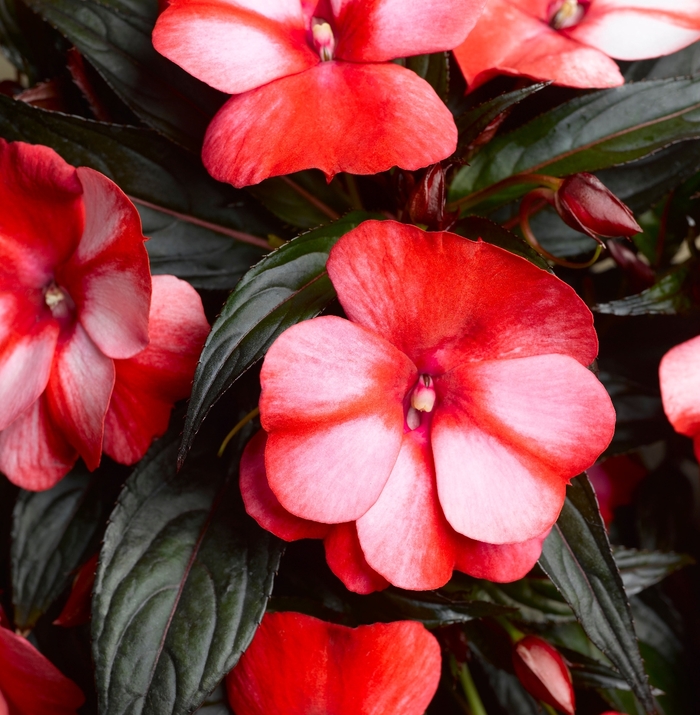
x=679, y=375
x=30, y=684
x=93, y=354
x=543, y=673
x=571, y=42
x=313, y=81
x=298, y=665
x=435, y=429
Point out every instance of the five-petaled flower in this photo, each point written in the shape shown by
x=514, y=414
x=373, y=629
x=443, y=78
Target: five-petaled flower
x=297, y=665
x=435, y=429
x=314, y=84
x=30, y=684
x=571, y=42
x=93, y=352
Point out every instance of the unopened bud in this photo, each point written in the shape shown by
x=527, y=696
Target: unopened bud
x=426, y=204
x=587, y=205
x=543, y=673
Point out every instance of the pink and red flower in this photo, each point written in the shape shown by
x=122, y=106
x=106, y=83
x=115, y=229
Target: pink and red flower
x=30, y=684
x=313, y=82
x=93, y=353
x=298, y=665
x=435, y=429
x=572, y=41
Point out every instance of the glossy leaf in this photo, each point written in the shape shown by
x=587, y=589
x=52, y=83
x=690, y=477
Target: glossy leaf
x=286, y=287
x=434, y=69
x=641, y=569
x=53, y=533
x=115, y=36
x=578, y=559
x=183, y=581
x=588, y=133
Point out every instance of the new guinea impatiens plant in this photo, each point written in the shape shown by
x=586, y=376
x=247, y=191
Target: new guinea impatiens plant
x=431, y=456
x=416, y=419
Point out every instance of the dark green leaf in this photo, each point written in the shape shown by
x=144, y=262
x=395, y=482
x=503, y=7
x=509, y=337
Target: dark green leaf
x=286, y=287
x=472, y=122
x=53, y=533
x=536, y=600
x=577, y=557
x=11, y=39
x=641, y=569
x=669, y=296
x=216, y=703
x=434, y=69
x=589, y=133
x=115, y=36
x=683, y=63
x=510, y=694
x=183, y=581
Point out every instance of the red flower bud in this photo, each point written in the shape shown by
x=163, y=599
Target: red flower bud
x=585, y=204
x=427, y=202
x=543, y=673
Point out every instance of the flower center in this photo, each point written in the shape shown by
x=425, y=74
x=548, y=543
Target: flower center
x=58, y=301
x=324, y=40
x=422, y=400
x=566, y=13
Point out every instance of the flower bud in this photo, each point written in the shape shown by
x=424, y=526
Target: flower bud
x=543, y=673
x=427, y=202
x=585, y=204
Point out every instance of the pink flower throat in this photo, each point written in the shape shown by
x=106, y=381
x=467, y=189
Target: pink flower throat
x=564, y=14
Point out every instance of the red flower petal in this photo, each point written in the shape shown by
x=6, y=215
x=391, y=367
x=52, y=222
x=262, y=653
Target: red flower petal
x=41, y=213
x=28, y=336
x=501, y=563
x=34, y=454
x=147, y=385
x=679, y=377
x=108, y=275
x=326, y=118
x=77, y=608
x=379, y=30
x=32, y=685
x=638, y=29
x=516, y=40
x=235, y=47
x=263, y=505
x=347, y=561
x=404, y=535
x=78, y=393
x=4, y=709
x=332, y=404
x=425, y=293
x=297, y=665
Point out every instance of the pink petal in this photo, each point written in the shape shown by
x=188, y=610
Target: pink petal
x=298, y=665
x=424, y=292
x=326, y=118
x=501, y=563
x=31, y=684
x=379, y=30
x=147, y=385
x=404, y=535
x=37, y=190
x=28, y=336
x=514, y=38
x=108, y=276
x=34, y=454
x=78, y=393
x=638, y=29
x=235, y=46
x=347, y=561
x=332, y=404
x=263, y=505
x=679, y=376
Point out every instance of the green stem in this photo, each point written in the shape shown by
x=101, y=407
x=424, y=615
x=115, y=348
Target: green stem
x=250, y=416
x=466, y=202
x=514, y=633
x=470, y=691
x=548, y=709
x=323, y=208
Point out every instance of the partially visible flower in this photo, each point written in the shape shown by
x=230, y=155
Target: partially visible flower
x=543, y=673
x=30, y=684
x=588, y=206
x=438, y=427
x=77, y=608
x=614, y=481
x=298, y=665
x=313, y=82
x=679, y=376
x=93, y=354
x=572, y=42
